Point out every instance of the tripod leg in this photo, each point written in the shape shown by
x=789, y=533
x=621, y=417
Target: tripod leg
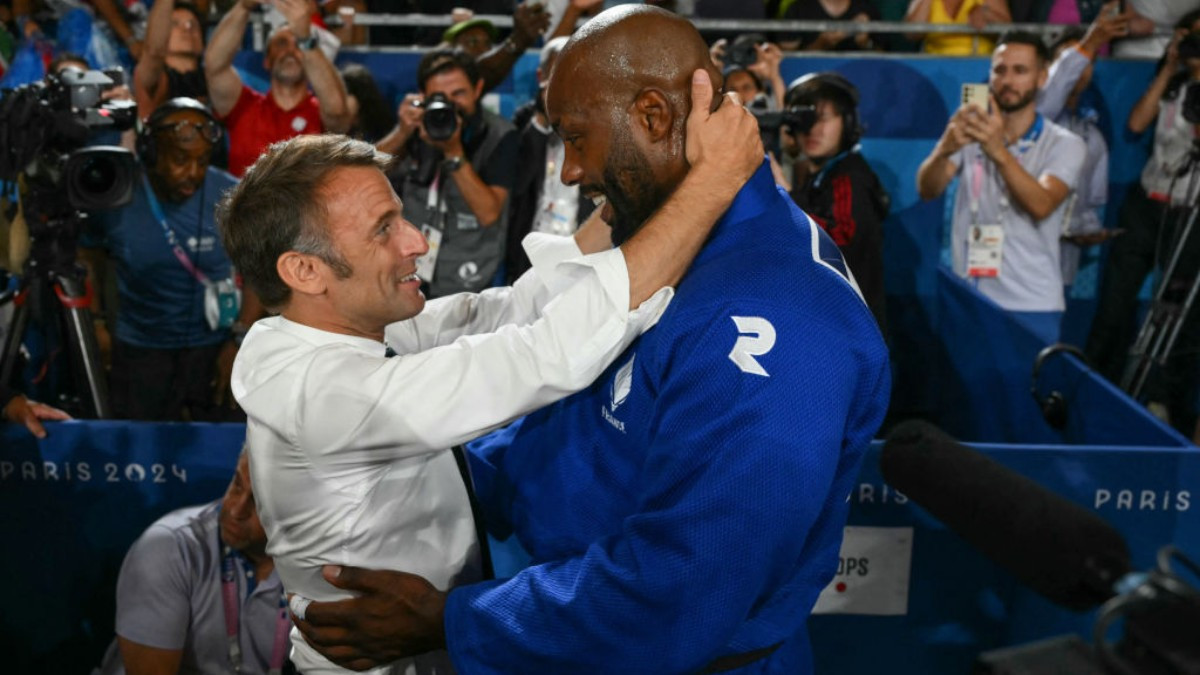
x=12, y=341
x=81, y=338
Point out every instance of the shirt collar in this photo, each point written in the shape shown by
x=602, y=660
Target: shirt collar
x=751, y=201
x=324, y=337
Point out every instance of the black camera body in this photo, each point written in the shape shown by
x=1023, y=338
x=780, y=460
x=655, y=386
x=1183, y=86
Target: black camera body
x=441, y=117
x=743, y=53
x=795, y=119
x=1189, y=47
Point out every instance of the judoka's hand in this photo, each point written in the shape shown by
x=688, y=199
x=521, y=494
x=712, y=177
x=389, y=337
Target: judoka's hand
x=395, y=615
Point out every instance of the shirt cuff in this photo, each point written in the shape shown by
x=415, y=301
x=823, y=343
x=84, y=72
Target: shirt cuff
x=545, y=252
x=609, y=266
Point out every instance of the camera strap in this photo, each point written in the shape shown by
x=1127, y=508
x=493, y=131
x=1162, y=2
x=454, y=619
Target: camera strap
x=172, y=240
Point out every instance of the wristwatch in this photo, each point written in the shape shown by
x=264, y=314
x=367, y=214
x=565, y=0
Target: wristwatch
x=307, y=43
x=452, y=164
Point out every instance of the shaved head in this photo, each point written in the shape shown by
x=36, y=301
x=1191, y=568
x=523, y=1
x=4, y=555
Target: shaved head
x=619, y=96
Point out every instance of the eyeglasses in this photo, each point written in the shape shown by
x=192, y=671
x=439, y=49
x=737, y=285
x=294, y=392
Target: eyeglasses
x=184, y=24
x=185, y=131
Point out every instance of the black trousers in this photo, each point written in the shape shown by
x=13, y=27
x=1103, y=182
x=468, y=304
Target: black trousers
x=1148, y=242
x=163, y=385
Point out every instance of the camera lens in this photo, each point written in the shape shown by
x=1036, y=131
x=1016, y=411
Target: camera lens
x=97, y=175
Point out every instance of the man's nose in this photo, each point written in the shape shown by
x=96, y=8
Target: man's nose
x=571, y=173
x=413, y=243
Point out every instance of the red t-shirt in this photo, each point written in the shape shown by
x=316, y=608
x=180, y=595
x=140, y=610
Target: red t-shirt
x=257, y=121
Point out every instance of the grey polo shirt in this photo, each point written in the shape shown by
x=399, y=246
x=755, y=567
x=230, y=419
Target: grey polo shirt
x=1030, y=272
x=169, y=596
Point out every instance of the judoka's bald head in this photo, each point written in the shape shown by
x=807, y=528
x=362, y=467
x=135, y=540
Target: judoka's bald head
x=619, y=96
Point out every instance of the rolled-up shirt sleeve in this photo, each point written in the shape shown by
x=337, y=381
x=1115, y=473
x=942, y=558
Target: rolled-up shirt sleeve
x=347, y=406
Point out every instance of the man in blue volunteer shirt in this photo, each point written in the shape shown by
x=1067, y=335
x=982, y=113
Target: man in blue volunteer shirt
x=175, y=324
x=684, y=512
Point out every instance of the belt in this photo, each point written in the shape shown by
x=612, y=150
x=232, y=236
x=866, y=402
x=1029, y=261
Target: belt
x=735, y=661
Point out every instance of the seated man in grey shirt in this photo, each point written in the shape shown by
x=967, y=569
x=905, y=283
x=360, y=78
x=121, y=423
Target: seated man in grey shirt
x=198, y=594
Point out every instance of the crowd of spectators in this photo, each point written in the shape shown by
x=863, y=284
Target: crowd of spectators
x=1035, y=164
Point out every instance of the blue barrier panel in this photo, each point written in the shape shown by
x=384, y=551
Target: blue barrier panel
x=983, y=382
x=73, y=503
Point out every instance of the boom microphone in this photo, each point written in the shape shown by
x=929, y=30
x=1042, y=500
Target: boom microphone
x=1056, y=547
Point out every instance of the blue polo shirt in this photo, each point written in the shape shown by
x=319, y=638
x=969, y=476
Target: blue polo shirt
x=161, y=303
x=689, y=504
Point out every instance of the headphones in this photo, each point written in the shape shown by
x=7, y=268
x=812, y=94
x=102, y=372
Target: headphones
x=808, y=88
x=146, y=146
x=1053, y=406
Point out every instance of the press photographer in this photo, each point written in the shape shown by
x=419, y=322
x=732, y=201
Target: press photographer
x=833, y=182
x=459, y=165
x=1153, y=216
x=44, y=128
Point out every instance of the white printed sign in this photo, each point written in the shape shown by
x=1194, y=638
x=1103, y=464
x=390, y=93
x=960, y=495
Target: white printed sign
x=873, y=573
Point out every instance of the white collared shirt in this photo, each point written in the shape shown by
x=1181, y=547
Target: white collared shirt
x=348, y=449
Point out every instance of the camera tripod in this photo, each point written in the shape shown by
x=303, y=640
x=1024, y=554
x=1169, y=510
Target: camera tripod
x=53, y=294
x=1173, y=299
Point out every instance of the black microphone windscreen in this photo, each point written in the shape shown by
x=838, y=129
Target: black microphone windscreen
x=1056, y=547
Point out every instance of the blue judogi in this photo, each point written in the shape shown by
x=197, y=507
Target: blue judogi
x=690, y=503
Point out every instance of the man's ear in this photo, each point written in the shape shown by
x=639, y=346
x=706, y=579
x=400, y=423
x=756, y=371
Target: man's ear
x=301, y=272
x=652, y=113
x=479, y=90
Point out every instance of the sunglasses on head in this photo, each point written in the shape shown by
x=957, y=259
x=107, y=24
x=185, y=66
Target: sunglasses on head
x=185, y=131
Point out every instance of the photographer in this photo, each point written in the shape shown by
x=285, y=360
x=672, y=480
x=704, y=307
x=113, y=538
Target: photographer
x=751, y=66
x=458, y=170
x=835, y=185
x=1152, y=216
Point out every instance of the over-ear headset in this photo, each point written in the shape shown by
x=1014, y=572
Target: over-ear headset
x=147, y=149
x=1054, y=405
x=808, y=89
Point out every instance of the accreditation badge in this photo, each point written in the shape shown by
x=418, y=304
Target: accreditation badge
x=427, y=263
x=985, y=251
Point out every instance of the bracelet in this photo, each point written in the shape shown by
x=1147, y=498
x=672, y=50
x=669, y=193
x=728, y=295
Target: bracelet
x=511, y=47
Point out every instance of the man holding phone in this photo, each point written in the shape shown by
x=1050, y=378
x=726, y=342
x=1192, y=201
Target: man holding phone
x=1018, y=170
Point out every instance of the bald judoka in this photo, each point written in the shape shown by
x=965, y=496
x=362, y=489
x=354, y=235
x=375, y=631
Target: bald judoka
x=684, y=512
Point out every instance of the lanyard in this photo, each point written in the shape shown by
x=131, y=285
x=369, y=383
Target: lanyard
x=829, y=164
x=157, y=210
x=978, y=170
x=229, y=598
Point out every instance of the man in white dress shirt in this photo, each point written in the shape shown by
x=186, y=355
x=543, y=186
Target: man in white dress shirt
x=349, y=451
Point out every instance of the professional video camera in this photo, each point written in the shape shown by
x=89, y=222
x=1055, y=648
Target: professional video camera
x=44, y=127
x=441, y=116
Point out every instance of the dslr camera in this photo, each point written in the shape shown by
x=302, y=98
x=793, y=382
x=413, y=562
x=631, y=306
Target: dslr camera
x=743, y=53
x=794, y=119
x=441, y=116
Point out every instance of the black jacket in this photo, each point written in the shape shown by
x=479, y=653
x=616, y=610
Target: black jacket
x=527, y=191
x=849, y=202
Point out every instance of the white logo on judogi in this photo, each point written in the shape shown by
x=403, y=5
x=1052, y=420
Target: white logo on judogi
x=756, y=337
x=622, y=383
